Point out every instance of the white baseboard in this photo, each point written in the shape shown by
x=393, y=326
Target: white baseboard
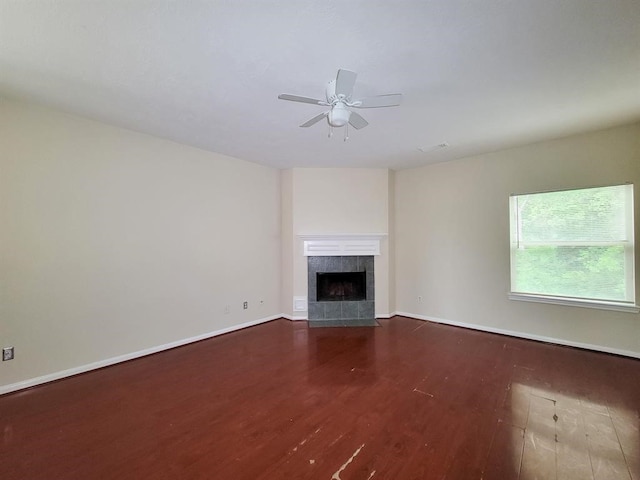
x=293, y=318
x=528, y=336
x=32, y=382
x=386, y=315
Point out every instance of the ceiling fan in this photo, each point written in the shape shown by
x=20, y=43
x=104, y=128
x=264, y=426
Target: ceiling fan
x=339, y=97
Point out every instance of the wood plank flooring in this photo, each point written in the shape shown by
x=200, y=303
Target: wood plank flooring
x=406, y=400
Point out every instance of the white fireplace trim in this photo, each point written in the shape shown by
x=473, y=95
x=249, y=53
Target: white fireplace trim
x=336, y=245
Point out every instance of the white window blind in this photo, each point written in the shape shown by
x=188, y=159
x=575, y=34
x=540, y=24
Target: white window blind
x=574, y=244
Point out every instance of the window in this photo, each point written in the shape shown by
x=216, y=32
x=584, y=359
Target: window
x=574, y=247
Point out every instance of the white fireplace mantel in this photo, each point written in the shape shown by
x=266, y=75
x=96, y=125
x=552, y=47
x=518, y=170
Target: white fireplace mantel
x=333, y=245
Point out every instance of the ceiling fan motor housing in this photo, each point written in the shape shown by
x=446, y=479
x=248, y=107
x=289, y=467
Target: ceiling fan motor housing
x=330, y=92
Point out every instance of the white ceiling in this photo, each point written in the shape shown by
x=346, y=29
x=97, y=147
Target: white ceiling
x=480, y=75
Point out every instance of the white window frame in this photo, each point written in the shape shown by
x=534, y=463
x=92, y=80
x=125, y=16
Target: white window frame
x=629, y=248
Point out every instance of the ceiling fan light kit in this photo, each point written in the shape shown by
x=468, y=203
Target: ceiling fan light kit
x=339, y=94
x=339, y=115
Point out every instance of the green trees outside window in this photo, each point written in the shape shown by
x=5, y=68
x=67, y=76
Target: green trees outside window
x=574, y=243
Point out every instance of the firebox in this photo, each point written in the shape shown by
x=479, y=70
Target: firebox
x=341, y=286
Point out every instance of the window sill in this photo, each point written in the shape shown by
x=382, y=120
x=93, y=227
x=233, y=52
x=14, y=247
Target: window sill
x=575, y=302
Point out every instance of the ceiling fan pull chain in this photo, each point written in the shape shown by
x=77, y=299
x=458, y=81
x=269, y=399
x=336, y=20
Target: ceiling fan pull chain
x=330, y=130
x=346, y=132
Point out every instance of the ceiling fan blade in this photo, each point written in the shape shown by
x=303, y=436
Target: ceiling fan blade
x=390, y=100
x=345, y=82
x=356, y=121
x=296, y=98
x=315, y=120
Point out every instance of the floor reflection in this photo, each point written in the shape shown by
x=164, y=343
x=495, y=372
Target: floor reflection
x=569, y=437
x=341, y=355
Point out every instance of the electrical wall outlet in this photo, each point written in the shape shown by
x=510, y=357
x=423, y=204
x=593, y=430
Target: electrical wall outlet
x=245, y=305
x=7, y=354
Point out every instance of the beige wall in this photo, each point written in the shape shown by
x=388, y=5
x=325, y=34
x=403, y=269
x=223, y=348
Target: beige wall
x=113, y=242
x=392, y=242
x=335, y=201
x=286, y=252
x=452, y=236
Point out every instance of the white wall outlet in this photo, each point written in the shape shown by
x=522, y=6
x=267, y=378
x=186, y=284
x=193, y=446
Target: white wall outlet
x=245, y=305
x=7, y=354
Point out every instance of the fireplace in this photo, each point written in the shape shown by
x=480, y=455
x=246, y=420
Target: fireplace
x=341, y=288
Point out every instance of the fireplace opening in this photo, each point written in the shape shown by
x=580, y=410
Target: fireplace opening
x=341, y=286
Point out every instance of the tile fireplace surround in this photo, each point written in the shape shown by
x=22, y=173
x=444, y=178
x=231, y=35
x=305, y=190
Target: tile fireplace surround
x=341, y=310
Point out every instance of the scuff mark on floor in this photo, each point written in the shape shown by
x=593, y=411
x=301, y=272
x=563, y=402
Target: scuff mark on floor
x=336, y=440
x=525, y=368
x=295, y=449
x=419, y=326
x=371, y=475
x=423, y=393
x=336, y=476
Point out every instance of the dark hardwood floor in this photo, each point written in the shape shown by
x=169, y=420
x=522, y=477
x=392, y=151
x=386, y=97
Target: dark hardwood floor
x=406, y=400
